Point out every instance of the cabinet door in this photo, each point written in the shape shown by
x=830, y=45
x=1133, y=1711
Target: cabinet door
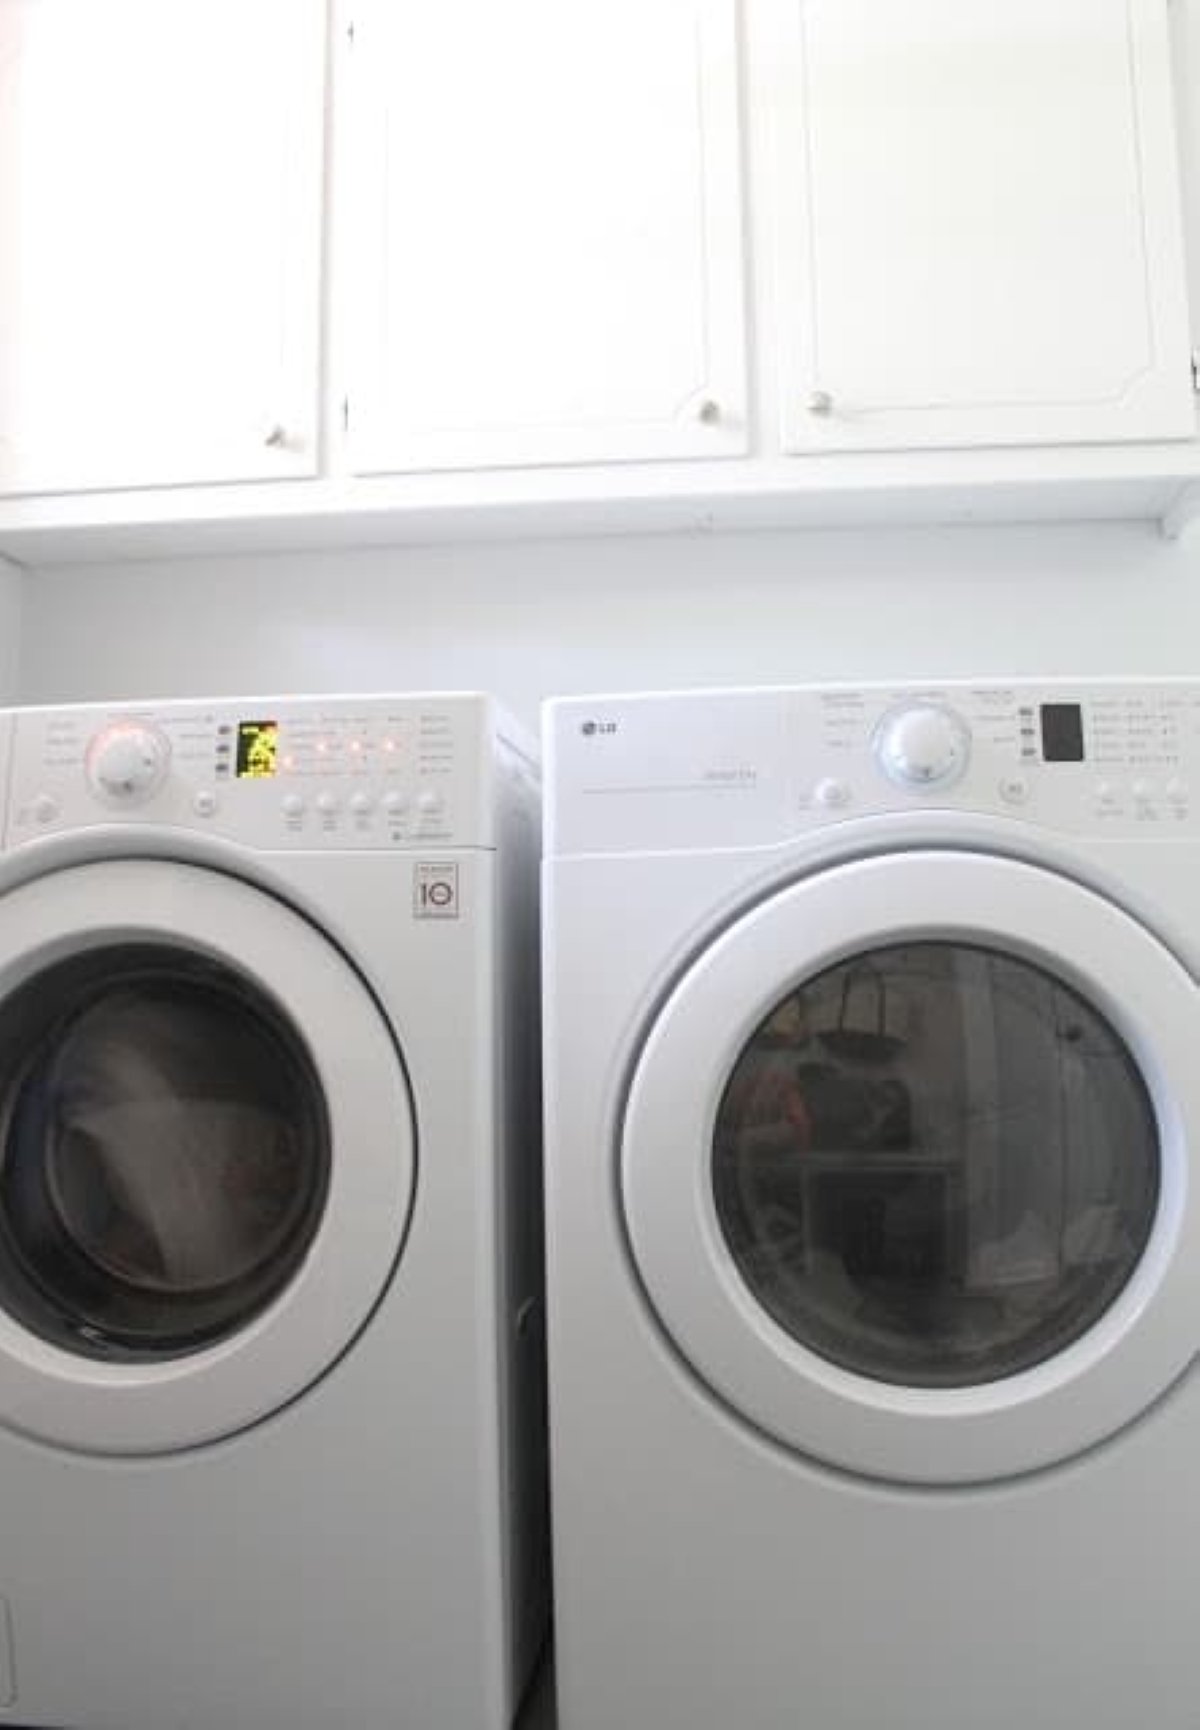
x=160, y=207
x=978, y=223
x=1185, y=22
x=545, y=233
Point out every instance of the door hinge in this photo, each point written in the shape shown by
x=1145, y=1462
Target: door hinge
x=351, y=32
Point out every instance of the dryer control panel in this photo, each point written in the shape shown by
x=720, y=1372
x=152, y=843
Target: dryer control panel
x=704, y=769
x=301, y=772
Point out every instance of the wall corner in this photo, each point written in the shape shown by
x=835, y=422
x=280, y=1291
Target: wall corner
x=12, y=596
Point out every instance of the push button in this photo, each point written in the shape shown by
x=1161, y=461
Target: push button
x=832, y=794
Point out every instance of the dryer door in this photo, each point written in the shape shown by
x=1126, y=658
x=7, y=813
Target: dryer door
x=905, y=1167
x=206, y=1155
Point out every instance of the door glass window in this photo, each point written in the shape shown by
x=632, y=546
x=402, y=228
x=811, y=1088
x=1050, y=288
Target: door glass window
x=935, y=1164
x=164, y=1152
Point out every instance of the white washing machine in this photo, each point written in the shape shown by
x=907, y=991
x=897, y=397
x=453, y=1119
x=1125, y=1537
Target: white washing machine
x=873, y=1074
x=269, y=1208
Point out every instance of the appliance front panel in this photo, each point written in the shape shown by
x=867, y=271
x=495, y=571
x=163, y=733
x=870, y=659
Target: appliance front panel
x=690, y=771
x=277, y=774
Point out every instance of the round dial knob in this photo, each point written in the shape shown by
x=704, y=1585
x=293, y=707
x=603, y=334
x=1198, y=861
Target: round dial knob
x=127, y=762
x=922, y=745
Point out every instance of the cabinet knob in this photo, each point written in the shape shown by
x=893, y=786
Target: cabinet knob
x=820, y=402
x=276, y=437
x=709, y=412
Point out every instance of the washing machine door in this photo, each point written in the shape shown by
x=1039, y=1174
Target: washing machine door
x=905, y=1167
x=206, y=1156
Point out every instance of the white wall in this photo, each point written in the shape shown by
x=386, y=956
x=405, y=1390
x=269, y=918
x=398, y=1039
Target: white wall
x=527, y=620
x=11, y=593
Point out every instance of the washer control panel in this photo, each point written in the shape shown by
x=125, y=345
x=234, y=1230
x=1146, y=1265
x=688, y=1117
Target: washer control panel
x=703, y=769
x=289, y=773
x=1073, y=756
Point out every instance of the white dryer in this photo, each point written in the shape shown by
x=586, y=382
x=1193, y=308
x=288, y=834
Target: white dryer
x=269, y=1199
x=873, y=1219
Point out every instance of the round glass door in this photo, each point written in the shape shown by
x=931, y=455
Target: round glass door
x=207, y=1154
x=935, y=1164
x=164, y=1152
x=906, y=1166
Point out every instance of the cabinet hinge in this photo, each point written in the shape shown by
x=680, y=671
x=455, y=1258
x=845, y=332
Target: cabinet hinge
x=1196, y=370
x=345, y=414
x=351, y=32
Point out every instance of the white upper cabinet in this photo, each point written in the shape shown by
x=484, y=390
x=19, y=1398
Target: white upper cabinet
x=977, y=223
x=160, y=212
x=542, y=209
x=1186, y=36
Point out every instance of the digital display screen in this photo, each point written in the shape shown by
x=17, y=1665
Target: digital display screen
x=257, y=747
x=1062, y=733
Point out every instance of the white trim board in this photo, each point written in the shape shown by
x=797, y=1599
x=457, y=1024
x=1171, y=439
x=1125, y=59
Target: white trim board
x=993, y=487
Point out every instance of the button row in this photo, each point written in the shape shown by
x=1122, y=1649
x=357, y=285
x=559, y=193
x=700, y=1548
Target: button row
x=395, y=804
x=206, y=803
x=1109, y=793
x=835, y=795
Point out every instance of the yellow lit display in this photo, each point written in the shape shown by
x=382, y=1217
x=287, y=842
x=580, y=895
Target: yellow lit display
x=257, y=748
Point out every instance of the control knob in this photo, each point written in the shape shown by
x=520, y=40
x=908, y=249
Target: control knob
x=922, y=745
x=127, y=762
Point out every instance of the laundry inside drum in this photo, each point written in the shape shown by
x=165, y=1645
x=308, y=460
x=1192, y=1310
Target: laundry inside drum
x=165, y=1155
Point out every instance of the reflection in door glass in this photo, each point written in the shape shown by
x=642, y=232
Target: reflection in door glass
x=935, y=1164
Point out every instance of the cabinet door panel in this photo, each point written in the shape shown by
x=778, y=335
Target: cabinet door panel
x=545, y=233
x=979, y=227
x=160, y=199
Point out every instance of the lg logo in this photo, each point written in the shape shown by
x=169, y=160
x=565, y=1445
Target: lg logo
x=590, y=729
